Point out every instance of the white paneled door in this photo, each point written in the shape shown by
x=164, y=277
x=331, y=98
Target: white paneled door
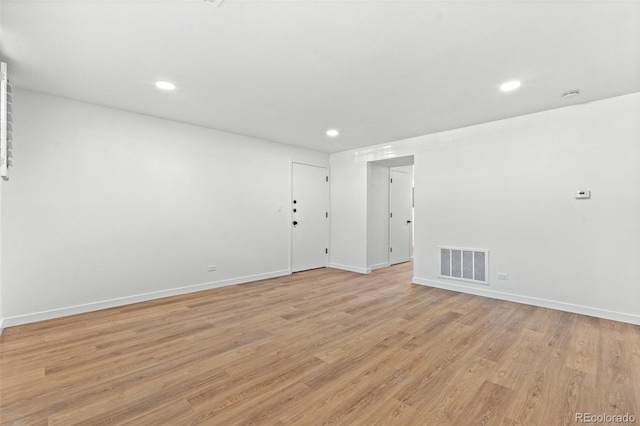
x=400, y=206
x=310, y=217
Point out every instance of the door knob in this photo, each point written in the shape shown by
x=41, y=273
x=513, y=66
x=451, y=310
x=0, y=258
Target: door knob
x=295, y=222
x=408, y=221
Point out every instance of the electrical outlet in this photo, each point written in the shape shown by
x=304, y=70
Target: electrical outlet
x=212, y=268
x=503, y=276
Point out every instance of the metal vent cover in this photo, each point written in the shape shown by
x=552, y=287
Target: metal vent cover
x=464, y=264
x=6, y=125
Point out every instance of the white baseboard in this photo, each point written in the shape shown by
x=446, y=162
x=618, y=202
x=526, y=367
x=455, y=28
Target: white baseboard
x=379, y=266
x=121, y=301
x=544, y=303
x=350, y=268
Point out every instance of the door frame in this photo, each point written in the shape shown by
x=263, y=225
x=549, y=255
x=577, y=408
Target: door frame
x=290, y=210
x=412, y=217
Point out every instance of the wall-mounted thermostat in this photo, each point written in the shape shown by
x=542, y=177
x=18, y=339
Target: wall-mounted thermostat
x=583, y=194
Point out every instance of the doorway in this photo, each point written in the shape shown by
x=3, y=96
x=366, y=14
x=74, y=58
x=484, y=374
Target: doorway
x=400, y=215
x=310, y=217
x=390, y=221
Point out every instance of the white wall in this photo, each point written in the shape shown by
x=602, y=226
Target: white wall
x=508, y=186
x=348, y=242
x=106, y=207
x=377, y=216
x=1, y=302
x=1, y=186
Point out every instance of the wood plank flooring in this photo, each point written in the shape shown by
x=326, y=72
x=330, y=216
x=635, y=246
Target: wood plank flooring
x=320, y=347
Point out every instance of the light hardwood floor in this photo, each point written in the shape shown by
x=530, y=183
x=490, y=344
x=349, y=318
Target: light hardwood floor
x=320, y=347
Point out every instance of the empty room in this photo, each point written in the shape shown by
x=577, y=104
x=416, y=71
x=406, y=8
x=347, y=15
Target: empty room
x=257, y=212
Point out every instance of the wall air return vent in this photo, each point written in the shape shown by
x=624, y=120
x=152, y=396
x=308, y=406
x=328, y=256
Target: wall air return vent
x=6, y=127
x=464, y=264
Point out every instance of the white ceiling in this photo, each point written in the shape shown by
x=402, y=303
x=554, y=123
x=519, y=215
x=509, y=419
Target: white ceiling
x=288, y=70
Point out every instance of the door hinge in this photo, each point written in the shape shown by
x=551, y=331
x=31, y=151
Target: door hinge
x=327, y=178
x=326, y=251
x=391, y=249
x=390, y=214
x=391, y=180
x=326, y=214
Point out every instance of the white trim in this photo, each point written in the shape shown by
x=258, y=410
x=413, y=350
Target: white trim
x=544, y=303
x=322, y=166
x=121, y=301
x=378, y=266
x=290, y=216
x=1, y=326
x=463, y=248
x=350, y=268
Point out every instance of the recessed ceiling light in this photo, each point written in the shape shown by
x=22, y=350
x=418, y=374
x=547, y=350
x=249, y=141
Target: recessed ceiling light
x=570, y=93
x=165, y=85
x=332, y=133
x=510, y=85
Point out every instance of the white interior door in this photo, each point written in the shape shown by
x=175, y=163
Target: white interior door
x=310, y=217
x=400, y=194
